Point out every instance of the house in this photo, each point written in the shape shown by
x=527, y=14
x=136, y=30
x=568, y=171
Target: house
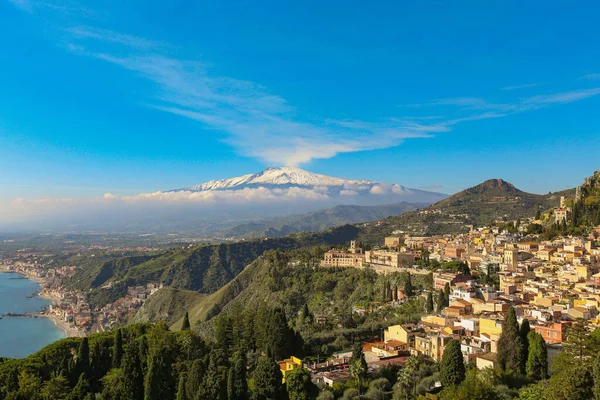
x=399, y=333
x=389, y=258
x=579, y=312
x=554, y=332
x=486, y=360
x=431, y=345
x=288, y=365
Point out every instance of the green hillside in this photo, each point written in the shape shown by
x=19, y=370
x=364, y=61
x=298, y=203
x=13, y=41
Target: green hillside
x=204, y=268
x=479, y=205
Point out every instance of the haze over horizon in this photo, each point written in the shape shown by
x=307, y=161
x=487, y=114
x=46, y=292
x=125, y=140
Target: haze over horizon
x=103, y=100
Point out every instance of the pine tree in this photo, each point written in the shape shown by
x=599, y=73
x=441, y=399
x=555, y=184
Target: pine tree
x=509, y=344
x=117, y=349
x=537, y=359
x=452, y=367
x=267, y=380
x=186, y=322
x=429, y=303
x=237, y=385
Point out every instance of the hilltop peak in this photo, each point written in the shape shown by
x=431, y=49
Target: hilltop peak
x=497, y=185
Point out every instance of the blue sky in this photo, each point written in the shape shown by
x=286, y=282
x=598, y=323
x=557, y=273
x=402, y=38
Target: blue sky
x=138, y=96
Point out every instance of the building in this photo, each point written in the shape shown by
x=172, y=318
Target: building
x=392, y=241
x=354, y=257
x=441, y=278
x=288, y=365
x=554, y=332
x=389, y=258
x=486, y=360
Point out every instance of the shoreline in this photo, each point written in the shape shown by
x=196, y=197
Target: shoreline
x=68, y=329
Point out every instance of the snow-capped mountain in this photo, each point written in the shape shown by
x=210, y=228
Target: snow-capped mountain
x=293, y=177
x=278, y=176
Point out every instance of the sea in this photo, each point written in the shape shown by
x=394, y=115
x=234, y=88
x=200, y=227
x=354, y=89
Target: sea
x=22, y=336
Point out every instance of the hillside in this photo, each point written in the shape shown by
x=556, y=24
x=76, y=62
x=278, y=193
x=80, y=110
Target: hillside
x=288, y=279
x=319, y=220
x=204, y=268
x=491, y=200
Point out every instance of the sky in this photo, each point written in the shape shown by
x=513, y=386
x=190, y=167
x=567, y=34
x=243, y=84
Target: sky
x=142, y=96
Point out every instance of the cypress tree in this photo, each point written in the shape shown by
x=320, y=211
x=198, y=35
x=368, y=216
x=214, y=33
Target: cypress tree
x=279, y=336
x=214, y=385
x=131, y=378
x=100, y=362
x=509, y=344
x=194, y=379
x=408, y=287
x=267, y=380
x=181, y=394
x=429, y=303
x=186, y=322
x=447, y=293
x=440, y=301
x=82, y=365
x=158, y=383
x=117, y=349
x=358, y=365
x=596, y=376
x=237, y=385
x=81, y=389
x=143, y=354
x=452, y=367
x=537, y=359
x=523, y=334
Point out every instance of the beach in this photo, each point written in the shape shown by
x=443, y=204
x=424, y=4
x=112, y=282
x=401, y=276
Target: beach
x=69, y=329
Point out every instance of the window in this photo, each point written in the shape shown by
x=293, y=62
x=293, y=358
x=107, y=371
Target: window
x=554, y=335
x=548, y=332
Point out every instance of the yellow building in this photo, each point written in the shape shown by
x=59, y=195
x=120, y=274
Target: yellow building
x=490, y=326
x=396, y=332
x=286, y=366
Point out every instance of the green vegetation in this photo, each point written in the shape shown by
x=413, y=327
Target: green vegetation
x=204, y=268
x=489, y=201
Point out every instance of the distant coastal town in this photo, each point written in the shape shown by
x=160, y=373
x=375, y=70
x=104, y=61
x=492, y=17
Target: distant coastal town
x=70, y=310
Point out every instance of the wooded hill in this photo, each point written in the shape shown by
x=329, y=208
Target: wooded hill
x=479, y=205
x=204, y=268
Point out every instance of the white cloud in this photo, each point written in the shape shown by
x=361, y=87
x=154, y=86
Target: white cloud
x=593, y=77
x=378, y=189
x=523, y=86
x=259, y=124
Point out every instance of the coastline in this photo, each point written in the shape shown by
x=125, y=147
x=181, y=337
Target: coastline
x=69, y=329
